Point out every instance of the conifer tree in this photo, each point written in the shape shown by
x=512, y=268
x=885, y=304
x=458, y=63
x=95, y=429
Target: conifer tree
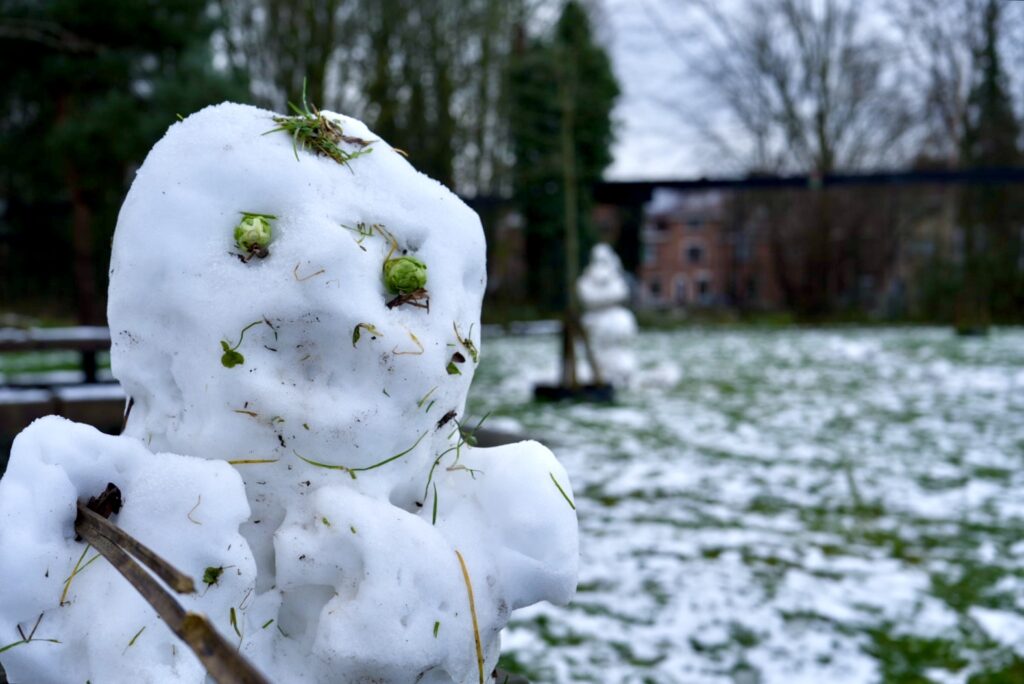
x=563, y=74
x=88, y=86
x=991, y=216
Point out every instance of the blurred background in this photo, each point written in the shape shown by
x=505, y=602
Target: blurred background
x=819, y=209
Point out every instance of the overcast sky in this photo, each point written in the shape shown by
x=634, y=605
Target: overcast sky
x=652, y=141
x=655, y=114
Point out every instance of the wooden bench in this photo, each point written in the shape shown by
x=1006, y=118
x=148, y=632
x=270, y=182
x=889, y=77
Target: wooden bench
x=86, y=340
x=81, y=398
x=78, y=395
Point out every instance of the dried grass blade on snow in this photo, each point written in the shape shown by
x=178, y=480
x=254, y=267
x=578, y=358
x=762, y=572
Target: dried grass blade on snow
x=472, y=612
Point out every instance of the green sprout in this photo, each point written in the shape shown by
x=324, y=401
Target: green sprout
x=467, y=342
x=562, y=492
x=419, y=404
x=74, y=572
x=252, y=234
x=135, y=638
x=231, y=356
x=452, y=369
x=212, y=575
x=313, y=131
x=404, y=275
x=352, y=471
x=368, y=327
x=234, y=622
x=433, y=517
x=467, y=437
x=364, y=230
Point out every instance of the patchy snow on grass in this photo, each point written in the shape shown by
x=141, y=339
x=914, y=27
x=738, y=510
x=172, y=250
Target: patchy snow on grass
x=803, y=506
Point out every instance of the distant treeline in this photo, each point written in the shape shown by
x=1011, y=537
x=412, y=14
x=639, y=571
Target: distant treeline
x=466, y=88
x=500, y=98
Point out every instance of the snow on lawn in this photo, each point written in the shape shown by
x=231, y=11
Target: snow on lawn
x=803, y=506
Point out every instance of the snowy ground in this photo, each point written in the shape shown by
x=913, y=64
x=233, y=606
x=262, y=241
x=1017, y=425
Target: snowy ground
x=803, y=506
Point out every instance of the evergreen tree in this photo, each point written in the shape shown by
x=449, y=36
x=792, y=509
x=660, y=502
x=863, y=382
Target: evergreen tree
x=990, y=215
x=87, y=88
x=561, y=78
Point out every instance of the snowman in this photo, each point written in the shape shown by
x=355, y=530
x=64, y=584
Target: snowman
x=295, y=317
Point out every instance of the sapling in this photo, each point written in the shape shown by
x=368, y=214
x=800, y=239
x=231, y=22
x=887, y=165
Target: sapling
x=232, y=357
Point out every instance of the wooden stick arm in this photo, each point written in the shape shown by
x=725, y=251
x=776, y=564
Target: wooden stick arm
x=222, y=660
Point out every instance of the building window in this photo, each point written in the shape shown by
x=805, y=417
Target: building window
x=650, y=251
x=704, y=289
x=743, y=249
x=679, y=289
x=694, y=222
x=654, y=287
x=693, y=253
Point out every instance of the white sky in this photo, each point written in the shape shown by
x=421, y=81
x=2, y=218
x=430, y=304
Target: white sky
x=655, y=136
x=652, y=141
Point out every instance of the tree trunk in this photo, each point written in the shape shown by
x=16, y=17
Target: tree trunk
x=570, y=206
x=83, y=267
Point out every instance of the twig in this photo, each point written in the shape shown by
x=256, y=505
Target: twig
x=222, y=662
x=92, y=526
x=127, y=412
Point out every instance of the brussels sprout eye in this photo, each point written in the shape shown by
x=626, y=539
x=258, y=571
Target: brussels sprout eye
x=252, y=234
x=405, y=274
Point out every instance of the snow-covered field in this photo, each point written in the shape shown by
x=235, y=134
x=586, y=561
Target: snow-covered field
x=802, y=506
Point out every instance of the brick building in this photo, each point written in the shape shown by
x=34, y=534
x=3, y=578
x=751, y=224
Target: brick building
x=698, y=251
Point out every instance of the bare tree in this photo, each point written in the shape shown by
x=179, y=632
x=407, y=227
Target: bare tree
x=791, y=84
x=430, y=77
x=800, y=86
x=941, y=42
